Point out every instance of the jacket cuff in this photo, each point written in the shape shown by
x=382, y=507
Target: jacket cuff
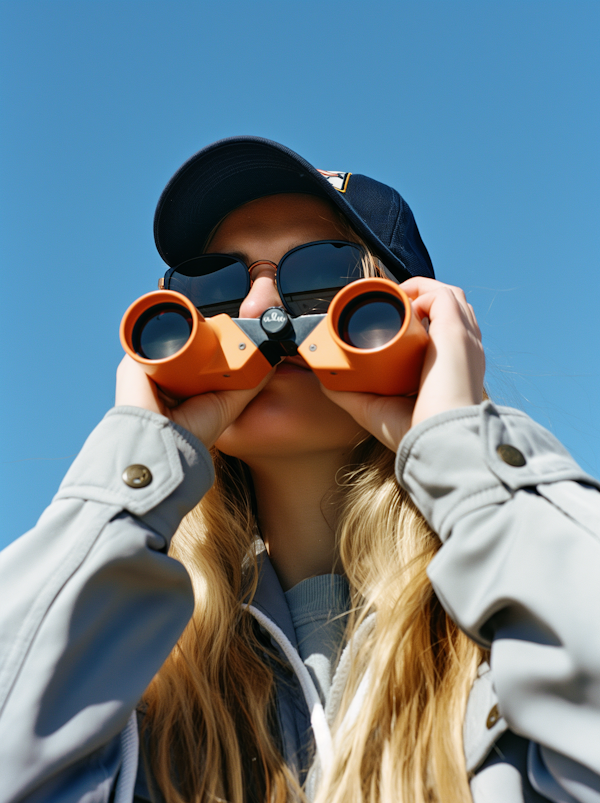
x=169, y=469
x=458, y=461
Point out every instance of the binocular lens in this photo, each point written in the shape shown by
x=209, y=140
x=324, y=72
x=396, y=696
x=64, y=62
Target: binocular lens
x=371, y=320
x=161, y=331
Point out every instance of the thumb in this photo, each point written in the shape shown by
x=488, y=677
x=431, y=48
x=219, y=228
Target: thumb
x=388, y=418
x=207, y=416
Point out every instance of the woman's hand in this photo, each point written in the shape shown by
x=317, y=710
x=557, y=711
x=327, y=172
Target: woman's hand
x=205, y=416
x=452, y=374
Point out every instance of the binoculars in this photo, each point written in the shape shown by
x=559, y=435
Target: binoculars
x=369, y=340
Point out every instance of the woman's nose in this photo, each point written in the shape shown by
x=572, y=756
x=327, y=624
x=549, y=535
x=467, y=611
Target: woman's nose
x=263, y=293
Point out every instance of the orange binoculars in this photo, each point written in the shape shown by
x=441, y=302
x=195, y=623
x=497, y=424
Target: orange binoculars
x=369, y=340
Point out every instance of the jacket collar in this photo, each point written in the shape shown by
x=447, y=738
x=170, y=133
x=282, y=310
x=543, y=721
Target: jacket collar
x=269, y=597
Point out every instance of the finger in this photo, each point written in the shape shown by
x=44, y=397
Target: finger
x=445, y=308
x=388, y=418
x=135, y=389
x=440, y=307
x=208, y=415
x=205, y=415
x=168, y=401
x=419, y=286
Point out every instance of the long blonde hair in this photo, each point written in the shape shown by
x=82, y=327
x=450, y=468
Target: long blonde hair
x=209, y=716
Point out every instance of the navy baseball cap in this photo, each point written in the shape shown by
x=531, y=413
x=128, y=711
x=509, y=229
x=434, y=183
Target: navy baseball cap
x=236, y=170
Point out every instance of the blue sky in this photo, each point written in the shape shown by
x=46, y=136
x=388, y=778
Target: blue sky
x=484, y=115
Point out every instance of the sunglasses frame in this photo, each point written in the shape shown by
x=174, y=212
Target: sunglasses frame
x=164, y=283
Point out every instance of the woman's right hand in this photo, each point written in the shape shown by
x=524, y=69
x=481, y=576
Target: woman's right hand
x=205, y=416
x=452, y=374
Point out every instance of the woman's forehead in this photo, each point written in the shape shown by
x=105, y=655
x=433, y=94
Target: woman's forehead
x=287, y=216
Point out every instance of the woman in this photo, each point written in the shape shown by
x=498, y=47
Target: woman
x=324, y=593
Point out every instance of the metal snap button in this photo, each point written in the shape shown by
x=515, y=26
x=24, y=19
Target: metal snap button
x=511, y=455
x=493, y=717
x=137, y=476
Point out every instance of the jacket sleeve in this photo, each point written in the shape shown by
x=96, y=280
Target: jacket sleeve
x=519, y=571
x=92, y=606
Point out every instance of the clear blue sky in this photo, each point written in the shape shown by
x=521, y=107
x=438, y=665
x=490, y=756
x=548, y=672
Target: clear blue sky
x=484, y=115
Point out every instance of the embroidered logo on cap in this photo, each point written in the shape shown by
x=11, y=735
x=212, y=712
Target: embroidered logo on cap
x=336, y=179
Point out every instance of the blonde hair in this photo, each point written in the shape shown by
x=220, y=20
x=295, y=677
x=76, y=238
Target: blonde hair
x=209, y=713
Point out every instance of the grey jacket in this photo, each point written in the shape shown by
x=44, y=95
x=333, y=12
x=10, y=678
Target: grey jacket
x=92, y=605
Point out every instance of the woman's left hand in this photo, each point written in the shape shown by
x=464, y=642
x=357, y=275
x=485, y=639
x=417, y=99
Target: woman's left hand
x=206, y=416
x=452, y=373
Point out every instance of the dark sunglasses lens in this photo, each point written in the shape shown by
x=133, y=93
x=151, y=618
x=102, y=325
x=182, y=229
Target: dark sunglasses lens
x=161, y=331
x=309, y=277
x=371, y=321
x=214, y=283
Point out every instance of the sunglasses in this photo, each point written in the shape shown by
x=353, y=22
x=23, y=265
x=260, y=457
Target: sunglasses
x=308, y=277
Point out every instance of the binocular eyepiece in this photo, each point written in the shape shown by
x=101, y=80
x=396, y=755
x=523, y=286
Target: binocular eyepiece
x=369, y=340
